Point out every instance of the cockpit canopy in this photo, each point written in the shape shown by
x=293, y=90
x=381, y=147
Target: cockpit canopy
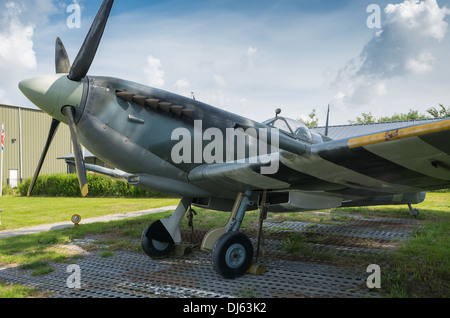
x=294, y=129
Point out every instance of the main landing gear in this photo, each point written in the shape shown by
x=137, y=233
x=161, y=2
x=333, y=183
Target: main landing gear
x=412, y=211
x=232, y=251
x=160, y=237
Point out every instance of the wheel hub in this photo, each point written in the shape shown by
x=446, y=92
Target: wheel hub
x=160, y=245
x=235, y=255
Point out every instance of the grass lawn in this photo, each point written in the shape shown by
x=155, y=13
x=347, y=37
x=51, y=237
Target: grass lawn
x=18, y=291
x=23, y=212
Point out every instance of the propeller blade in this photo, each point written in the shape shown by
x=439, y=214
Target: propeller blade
x=53, y=128
x=89, y=48
x=62, y=63
x=79, y=162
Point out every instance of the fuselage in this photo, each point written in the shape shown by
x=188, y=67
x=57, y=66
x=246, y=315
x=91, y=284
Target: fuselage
x=177, y=145
x=140, y=139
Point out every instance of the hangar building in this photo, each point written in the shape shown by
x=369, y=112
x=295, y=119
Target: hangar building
x=26, y=131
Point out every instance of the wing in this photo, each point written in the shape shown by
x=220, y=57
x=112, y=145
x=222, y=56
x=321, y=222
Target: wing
x=411, y=158
x=391, y=167
x=355, y=130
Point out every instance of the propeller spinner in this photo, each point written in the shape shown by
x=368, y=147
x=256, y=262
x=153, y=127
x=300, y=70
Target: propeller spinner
x=59, y=95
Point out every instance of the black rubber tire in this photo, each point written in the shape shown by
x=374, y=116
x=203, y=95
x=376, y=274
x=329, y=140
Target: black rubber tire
x=154, y=248
x=232, y=255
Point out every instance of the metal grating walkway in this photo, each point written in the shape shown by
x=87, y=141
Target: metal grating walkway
x=129, y=274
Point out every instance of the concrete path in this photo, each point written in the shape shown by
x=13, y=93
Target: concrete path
x=61, y=225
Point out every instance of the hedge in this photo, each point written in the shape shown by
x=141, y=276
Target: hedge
x=66, y=185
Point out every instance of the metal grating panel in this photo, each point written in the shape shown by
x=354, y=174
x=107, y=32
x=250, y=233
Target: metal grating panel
x=129, y=274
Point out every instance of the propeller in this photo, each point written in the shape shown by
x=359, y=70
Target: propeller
x=76, y=72
x=62, y=63
x=53, y=128
x=79, y=161
x=87, y=52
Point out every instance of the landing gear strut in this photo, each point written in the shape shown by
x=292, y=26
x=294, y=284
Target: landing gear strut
x=159, y=238
x=232, y=251
x=412, y=211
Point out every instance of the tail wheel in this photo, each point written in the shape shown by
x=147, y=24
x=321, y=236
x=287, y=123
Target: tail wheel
x=232, y=254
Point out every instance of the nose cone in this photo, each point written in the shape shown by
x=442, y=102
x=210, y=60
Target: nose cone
x=52, y=92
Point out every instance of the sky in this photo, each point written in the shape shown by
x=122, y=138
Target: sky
x=248, y=57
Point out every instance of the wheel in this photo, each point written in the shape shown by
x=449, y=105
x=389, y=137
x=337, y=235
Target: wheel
x=152, y=246
x=232, y=254
x=414, y=212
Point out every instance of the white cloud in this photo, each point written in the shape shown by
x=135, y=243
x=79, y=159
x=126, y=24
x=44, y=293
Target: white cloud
x=182, y=87
x=18, y=20
x=402, y=48
x=3, y=99
x=16, y=48
x=153, y=72
x=219, y=98
x=251, y=52
x=249, y=57
x=424, y=18
x=423, y=63
x=219, y=80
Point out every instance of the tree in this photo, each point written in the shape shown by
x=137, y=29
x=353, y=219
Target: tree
x=313, y=122
x=439, y=113
x=367, y=118
x=412, y=115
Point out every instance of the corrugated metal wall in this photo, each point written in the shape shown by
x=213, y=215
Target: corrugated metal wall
x=22, y=154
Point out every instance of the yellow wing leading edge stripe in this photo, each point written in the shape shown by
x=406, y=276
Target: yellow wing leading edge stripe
x=399, y=134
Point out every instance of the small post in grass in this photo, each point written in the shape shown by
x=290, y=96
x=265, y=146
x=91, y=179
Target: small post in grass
x=76, y=219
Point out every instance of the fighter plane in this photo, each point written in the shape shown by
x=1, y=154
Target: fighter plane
x=222, y=161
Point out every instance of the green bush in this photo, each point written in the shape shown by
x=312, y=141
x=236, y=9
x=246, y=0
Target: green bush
x=66, y=185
